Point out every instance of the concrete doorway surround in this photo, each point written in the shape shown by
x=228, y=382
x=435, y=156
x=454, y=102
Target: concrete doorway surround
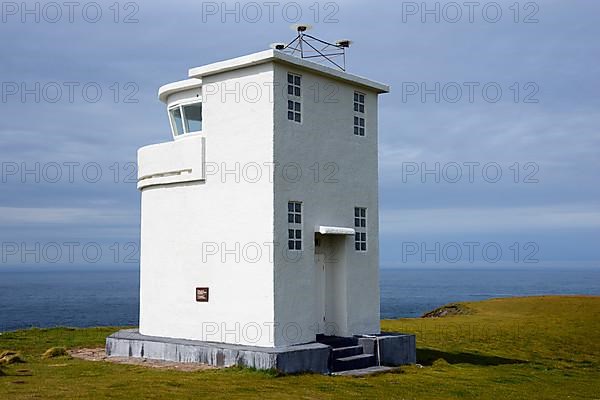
x=331, y=281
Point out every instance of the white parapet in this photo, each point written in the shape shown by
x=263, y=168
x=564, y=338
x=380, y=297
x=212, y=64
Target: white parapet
x=179, y=161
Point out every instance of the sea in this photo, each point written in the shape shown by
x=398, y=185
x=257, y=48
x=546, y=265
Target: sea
x=83, y=297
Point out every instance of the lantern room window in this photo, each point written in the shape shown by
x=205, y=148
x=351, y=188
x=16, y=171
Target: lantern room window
x=186, y=118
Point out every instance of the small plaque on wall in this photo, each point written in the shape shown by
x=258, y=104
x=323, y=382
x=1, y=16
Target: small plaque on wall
x=202, y=294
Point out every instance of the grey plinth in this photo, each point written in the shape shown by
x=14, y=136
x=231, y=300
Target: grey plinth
x=300, y=358
x=390, y=349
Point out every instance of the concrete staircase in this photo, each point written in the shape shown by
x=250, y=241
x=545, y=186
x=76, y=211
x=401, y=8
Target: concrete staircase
x=347, y=354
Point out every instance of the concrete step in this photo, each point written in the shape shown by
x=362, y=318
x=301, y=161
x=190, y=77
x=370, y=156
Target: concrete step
x=353, y=362
x=337, y=341
x=341, y=352
x=365, y=371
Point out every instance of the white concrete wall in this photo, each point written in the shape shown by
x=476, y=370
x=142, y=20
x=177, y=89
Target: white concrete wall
x=270, y=299
x=324, y=139
x=184, y=224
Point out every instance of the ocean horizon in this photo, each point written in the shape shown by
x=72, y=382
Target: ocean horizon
x=84, y=297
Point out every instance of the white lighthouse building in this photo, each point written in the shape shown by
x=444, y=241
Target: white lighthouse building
x=259, y=216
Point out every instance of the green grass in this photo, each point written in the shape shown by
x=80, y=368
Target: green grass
x=522, y=348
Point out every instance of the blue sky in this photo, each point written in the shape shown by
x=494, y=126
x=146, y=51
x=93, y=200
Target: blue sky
x=548, y=132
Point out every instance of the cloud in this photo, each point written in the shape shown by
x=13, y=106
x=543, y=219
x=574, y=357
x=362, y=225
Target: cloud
x=489, y=219
x=560, y=133
x=17, y=216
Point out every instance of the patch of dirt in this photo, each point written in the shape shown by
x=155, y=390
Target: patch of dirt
x=99, y=354
x=447, y=311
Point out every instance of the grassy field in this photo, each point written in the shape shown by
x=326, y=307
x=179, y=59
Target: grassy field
x=521, y=348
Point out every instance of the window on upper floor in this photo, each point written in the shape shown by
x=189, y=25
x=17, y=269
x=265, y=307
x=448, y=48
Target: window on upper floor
x=294, y=225
x=294, y=85
x=186, y=118
x=359, y=114
x=294, y=96
x=360, y=217
x=176, y=121
x=359, y=126
x=360, y=227
x=294, y=111
x=359, y=102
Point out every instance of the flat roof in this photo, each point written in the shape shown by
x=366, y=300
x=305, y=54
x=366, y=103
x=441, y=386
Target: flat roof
x=166, y=90
x=272, y=55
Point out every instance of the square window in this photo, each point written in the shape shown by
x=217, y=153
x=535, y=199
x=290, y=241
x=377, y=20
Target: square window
x=359, y=102
x=193, y=117
x=360, y=213
x=359, y=126
x=186, y=118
